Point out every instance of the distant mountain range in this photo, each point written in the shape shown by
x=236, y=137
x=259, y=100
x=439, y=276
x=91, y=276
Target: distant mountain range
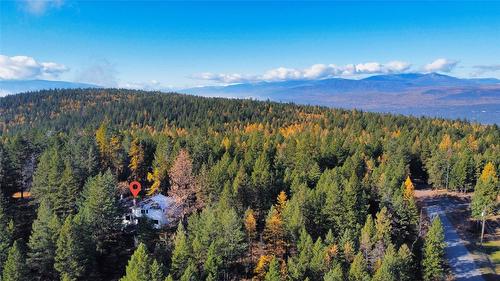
x=8, y=87
x=431, y=94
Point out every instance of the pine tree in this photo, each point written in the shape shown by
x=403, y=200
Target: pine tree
x=367, y=236
x=47, y=177
x=181, y=253
x=6, y=230
x=383, y=230
x=273, y=273
x=388, y=270
x=74, y=253
x=486, y=192
x=138, y=268
x=299, y=265
x=42, y=244
x=67, y=193
x=14, y=267
x=261, y=179
x=213, y=263
x=39, y=188
x=156, y=271
x=433, y=256
x=317, y=264
x=405, y=264
x=189, y=273
x=335, y=274
x=230, y=237
x=359, y=269
x=354, y=205
x=100, y=210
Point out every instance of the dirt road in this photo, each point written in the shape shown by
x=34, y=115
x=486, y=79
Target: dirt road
x=459, y=258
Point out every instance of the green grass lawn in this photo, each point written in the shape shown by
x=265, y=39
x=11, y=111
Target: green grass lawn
x=492, y=250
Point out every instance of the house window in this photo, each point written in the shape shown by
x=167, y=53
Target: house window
x=127, y=218
x=144, y=211
x=156, y=222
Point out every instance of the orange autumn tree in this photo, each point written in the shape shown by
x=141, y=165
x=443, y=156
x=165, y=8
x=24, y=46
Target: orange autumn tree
x=409, y=191
x=182, y=183
x=251, y=229
x=274, y=231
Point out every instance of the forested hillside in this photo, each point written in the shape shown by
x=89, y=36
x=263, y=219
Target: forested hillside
x=267, y=191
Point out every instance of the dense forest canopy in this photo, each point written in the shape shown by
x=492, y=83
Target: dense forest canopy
x=267, y=190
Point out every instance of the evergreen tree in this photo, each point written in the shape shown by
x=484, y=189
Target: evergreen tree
x=100, y=210
x=213, y=263
x=230, y=238
x=156, y=271
x=335, y=274
x=405, y=264
x=367, y=236
x=138, y=268
x=433, y=256
x=317, y=264
x=486, y=192
x=388, y=270
x=262, y=180
x=359, y=270
x=67, y=193
x=181, y=253
x=14, y=267
x=189, y=273
x=6, y=231
x=273, y=273
x=42, y=244
x=383, y=231
x=354, y=205
x=299, y=265
x=74, y=258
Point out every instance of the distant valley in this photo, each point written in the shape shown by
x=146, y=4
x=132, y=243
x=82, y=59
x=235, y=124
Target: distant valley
x=431, y=94
x=417, y=94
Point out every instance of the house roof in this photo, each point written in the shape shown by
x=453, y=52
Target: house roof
x=159, y=201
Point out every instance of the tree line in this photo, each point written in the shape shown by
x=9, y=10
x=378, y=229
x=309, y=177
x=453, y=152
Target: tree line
x=267, y=191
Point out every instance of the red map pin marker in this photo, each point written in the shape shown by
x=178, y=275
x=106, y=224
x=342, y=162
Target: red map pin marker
x=135, y=188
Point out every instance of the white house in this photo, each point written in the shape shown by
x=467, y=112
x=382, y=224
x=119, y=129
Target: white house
x=158, y=208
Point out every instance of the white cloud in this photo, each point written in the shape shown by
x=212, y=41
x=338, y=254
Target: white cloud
x=223, y=78
x=39, y=7
x=314, y=72
x=99, y=72
x=24, y=67
x=152, y=85
x=482, y=69
x=441, y=65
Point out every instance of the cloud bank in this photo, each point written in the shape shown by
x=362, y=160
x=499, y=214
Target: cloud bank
x=482, y=69
x=314, y=72
x=24, y=67
x=441, y=65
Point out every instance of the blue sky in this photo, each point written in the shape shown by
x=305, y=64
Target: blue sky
x=180, y=44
